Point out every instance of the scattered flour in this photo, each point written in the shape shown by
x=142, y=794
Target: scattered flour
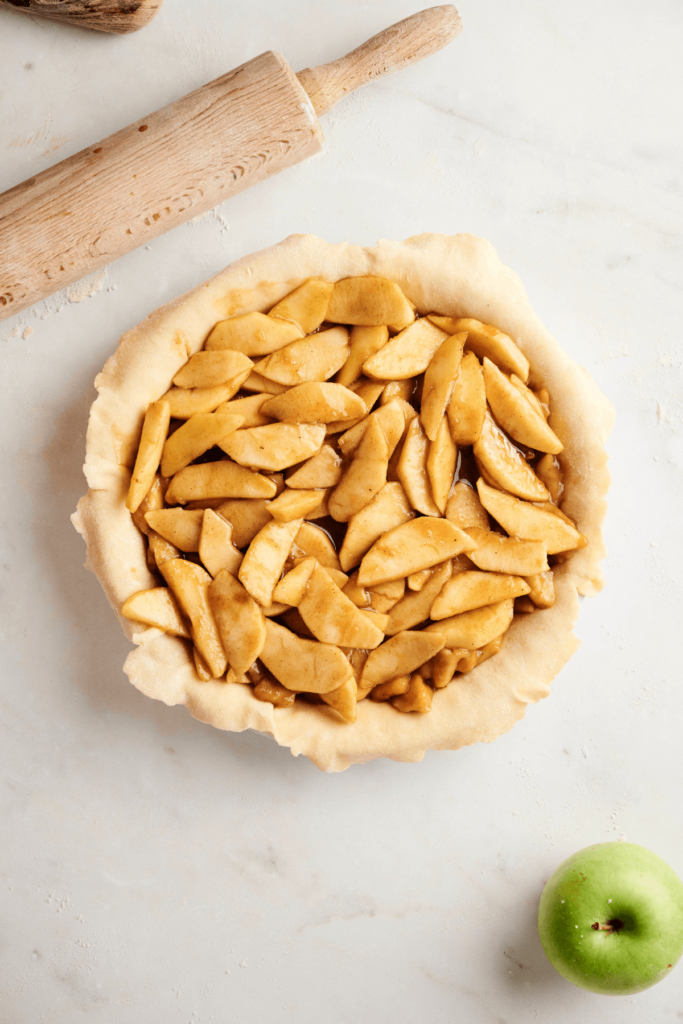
x=87, y=287
x=77, y=292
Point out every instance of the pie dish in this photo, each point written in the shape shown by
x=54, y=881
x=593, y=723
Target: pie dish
x=456, y=285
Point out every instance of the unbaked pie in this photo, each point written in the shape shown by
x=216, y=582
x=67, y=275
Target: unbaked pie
x=348, y=497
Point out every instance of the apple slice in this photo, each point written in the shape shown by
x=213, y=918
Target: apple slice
x=247, y=516
x=467, y=405
x=179, y=527
x=485, y=340
x=542, y=589
x=311, y=540
x=210, y=369
x=468, y=590
x=475, y=628
x=412, y=470
x=393, y=688
x=368, y=390
x=359, y=595
x=417, y=580
x=265, y=558
x=253, y=334
x=400, y=656
x=510, y=555
x=407, y=354
x=521, y=519
x=292, y=587
x=201, y=668
x=391, y=418
x=441, y=461
x=186, y=402
x=241, y=623
x=438, y=383
x=418, y=697
x=260, y=384
x=365, y=341
x=416, y=545
x=156, y=607
x=297, y=505
x=190, y=583
x=153, y=500
x=364, y=477
x=306, y=306
x=416, y=605
x=322, y=470
x=154, y=431
x=464, y=508
x=343, y=700
x=541, y=407
x=303, y=665
x=333, y=618
x=515, y=413
x=275, y=446
x=216, y=548
x=368, y=302
x=223, y=479
x=317, y=357
x=315, y=402
x=274, y=693
x=161, y=549
x=388, y=509
x=248, y=408
x=444, y=665
x=504, y=464
x=549, y=472
x=195, y=437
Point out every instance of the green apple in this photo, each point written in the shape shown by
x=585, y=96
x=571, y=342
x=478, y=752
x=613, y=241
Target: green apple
x=611, y=918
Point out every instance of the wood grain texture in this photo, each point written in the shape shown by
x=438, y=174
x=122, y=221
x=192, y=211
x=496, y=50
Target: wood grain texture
x=405, y=43
x=151, y=176
x=117, y=16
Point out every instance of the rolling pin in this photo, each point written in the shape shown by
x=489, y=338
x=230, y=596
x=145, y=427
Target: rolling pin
x=185, y=159
x=104, y=15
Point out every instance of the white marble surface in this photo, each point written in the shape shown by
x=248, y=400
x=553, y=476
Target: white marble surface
x=153, y=869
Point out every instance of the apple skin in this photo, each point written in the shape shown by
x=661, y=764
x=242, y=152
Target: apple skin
x=605, y=883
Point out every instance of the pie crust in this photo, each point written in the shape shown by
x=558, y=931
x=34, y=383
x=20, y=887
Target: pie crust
x=458, y=276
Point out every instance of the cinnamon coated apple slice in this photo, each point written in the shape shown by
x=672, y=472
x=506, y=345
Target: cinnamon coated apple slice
x=317, y=357
x=253, y=334
x=510, y=555
x=416, y=545
x=485, y=340
x=306, y=306
x=190, y=583
x=474, y=629
x=407, y=354
x=303, y=665
x=156, y=607
x=240, y=621
x=522, y=519
x=315, y=402
x=516, y=414
x=400, y=655
x=369, y=302
x=504, y=464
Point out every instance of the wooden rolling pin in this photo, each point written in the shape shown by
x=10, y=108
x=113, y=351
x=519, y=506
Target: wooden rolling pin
x=185, y=159
x=104, y=15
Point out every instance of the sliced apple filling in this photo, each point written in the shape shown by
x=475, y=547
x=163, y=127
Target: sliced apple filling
x=345, y=498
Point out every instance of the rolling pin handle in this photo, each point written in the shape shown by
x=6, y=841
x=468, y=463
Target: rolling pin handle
x=405, y=43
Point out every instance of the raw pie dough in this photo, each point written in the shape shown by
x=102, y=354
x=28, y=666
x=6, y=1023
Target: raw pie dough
x=458, y=276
